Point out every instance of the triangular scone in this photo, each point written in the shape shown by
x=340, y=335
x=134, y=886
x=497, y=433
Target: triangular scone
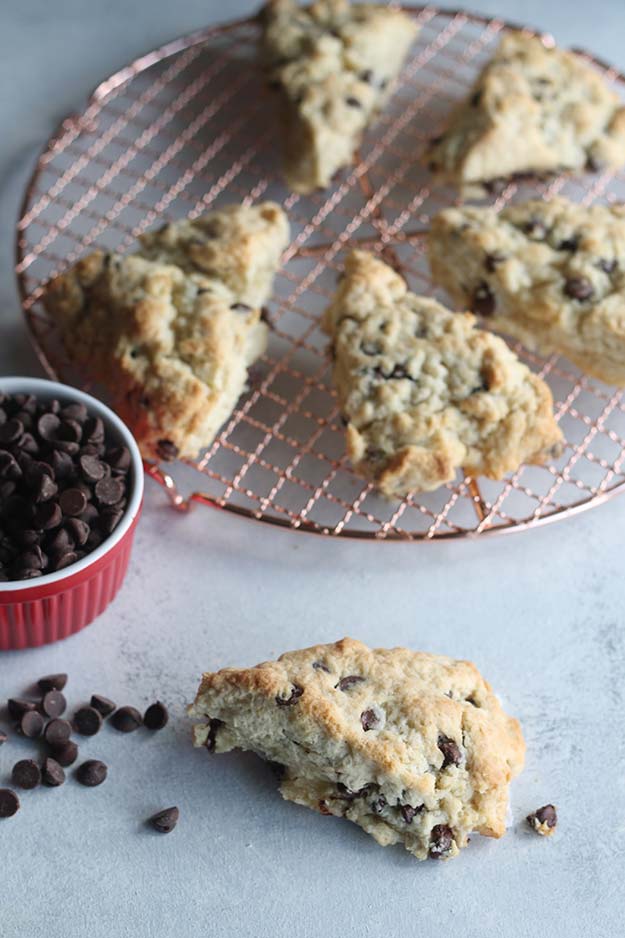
x=334, y=62
x=414, y=748
x=239, y=245
x=534, y=109
x=552, y=274
x=424, y=392
x=172, y=347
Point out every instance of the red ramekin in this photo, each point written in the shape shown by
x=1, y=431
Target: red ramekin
x=53, y=606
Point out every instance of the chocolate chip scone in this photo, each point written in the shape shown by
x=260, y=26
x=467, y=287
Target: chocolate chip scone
x=424, y=392
x=333, y=62
x=532, y=110
x=171, y=346
x=552, y=274
x=412, y=747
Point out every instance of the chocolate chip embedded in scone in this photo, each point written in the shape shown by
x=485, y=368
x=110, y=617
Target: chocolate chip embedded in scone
x=551, y=274
x=412, y=747
x=334, y=63
x=424, y=392
x=543, y=820
x=534, y=109
x=171, y=345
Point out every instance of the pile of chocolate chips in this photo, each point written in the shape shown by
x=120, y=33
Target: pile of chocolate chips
x=43, y=719
x=63, y=486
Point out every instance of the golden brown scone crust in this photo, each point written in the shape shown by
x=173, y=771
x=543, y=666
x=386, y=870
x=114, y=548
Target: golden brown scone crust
x=402, y=743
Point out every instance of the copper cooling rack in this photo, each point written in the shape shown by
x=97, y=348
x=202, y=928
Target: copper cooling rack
x=190, y=127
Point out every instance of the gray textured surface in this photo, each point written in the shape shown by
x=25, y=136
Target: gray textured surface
x=541, y=614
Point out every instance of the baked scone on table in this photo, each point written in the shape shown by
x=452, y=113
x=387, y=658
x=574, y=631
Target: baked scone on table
x=424, y=392
x=551, y=274
x=534, y=109
x=171, y=330
x=334, y=62
x=414, y=748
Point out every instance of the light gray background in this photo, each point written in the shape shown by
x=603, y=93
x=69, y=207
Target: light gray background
x=540, y=613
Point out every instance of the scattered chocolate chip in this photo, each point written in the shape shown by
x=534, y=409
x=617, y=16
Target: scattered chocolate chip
x=156, y=716
x=26, y=774
x=52, y=682
x=52, y=773
x=320, y=666
x=31, y=724
x=369, y=720
x=483, y=300
x=53, y=703
x=346, y=682
x=441, y=840
x=579, y=288
x=103, y=705
x=213, y=726
x=166, y=450
x=17, y=707
x=545, y=817
x=165, y=821
x=91, y=773
x=66, y=754
x=57, y=732
x=88, y=721
x=127, y=719
x=73, y=502
x=9, y=803
x=296, y=693
x=450, y=750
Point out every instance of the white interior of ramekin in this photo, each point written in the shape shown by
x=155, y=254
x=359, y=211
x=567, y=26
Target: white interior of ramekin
x=115, y=429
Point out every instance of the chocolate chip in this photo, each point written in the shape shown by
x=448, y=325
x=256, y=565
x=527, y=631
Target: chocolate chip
x=156, y=716
x=11, y=431
x=408, y=812
x=351, y=101
x=535, y=229
x=127, y=719
x=296, y=693
x=92, y=469
x=569, y=244
x=48, y=426
x=476, y=97
x=166, y=450
x=66, y=754
x=366, y=76
x=109, y=491
x=93, y=430
x=31, y=724
x=546, y=815
x=119, y=460
x=369, y=720
x=579, y=288
x=9, y=803
x=441, y=840
x=103, y=705
x=74, y=412
x=450, y=750
x=346, y=682
x=47, y=516
x=109, y=520
x=320, y=666
x=213, y=726
x=378, y=805
x=52, y=773
x=53, y=703
x=483, y=300
x=26, y=774
x=73, y=502
x=607, y=266
x=52, y=682
x=241, y=308
x=91, y=773
x=46, y=488
x=88, y=721
x=17, y=707
x=63, y=559
x=491, y=260
x=57, y=732
x=76, y=530
x=165, y=821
